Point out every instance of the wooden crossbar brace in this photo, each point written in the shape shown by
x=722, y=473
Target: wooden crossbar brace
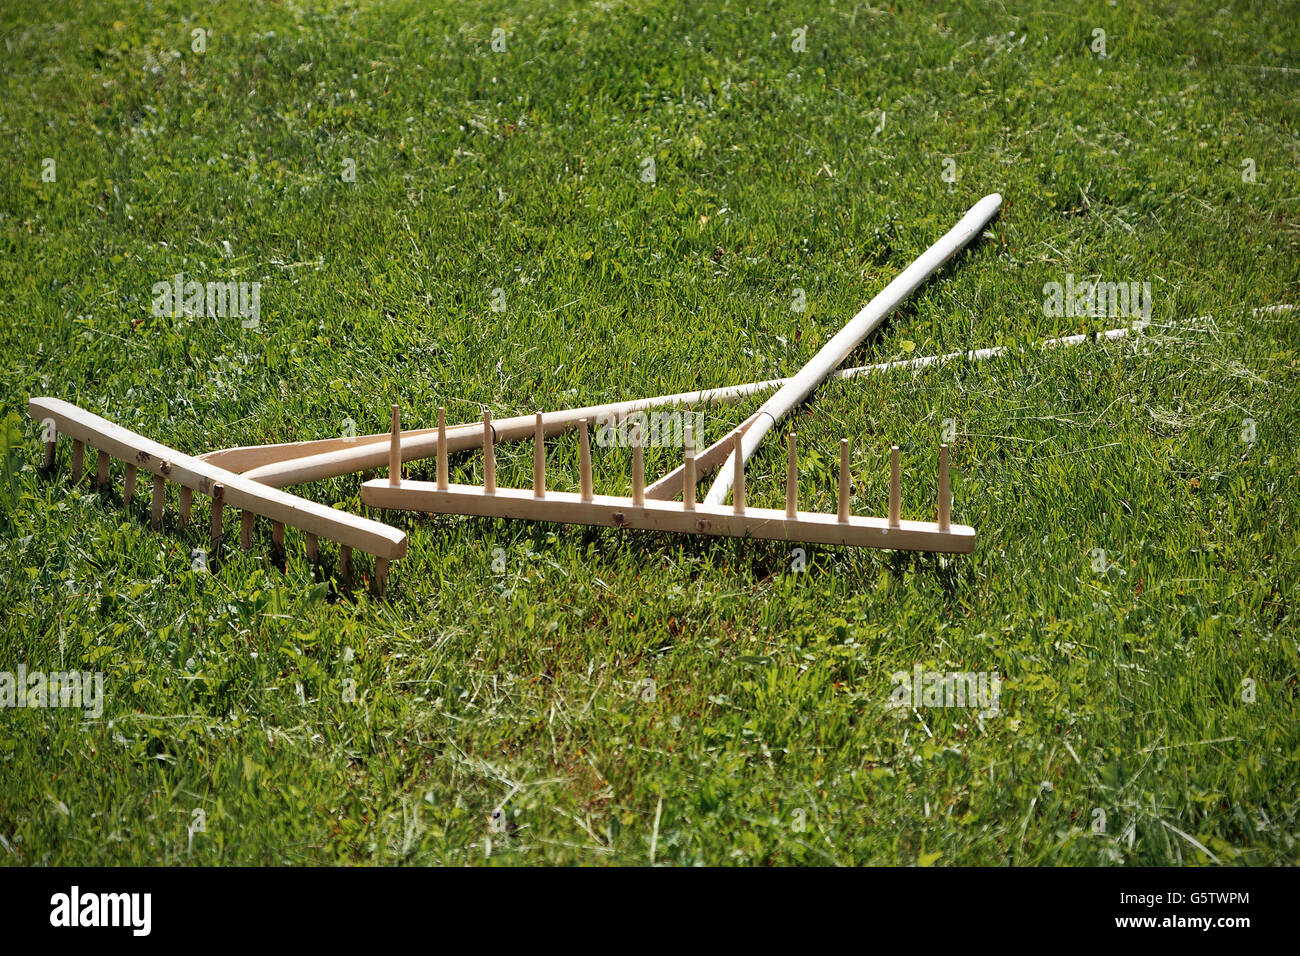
x=225, y=487
x=671, y=484
x=656, y=515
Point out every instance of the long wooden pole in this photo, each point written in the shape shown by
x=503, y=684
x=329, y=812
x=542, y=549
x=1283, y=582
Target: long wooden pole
x=243, y=458
x=295, y=467
x=834, y=352
x=346, y=456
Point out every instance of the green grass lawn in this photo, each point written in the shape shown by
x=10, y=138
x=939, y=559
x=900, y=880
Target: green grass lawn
x=622, y=697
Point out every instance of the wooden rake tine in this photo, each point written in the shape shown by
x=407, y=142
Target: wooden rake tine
x=226, y=488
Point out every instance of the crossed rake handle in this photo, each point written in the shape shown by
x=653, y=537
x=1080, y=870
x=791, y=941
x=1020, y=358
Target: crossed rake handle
x=206, y=474
x=292, y=463
x=250, y=477
x=656, y=511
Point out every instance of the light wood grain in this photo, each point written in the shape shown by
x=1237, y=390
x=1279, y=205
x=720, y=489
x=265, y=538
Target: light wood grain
x=791, y=477
x=842, y=513
x=443, y=466
x=218, y=515
x=737, y=475
x=489, y=454
x=128, y=488
x=638, y=467
x=150, y=456
x=395, y=447
x=834, y=352
x=688, y=470
x=289, y=463
x=584, y=460
x=945, y=494
x=186, y=504
x=51, y=442
x=619, y=512
x=539, y=458
x=895, y=488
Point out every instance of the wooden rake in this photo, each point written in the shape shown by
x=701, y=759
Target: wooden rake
x=250, y=478
x=226, y=489
x=653, y=508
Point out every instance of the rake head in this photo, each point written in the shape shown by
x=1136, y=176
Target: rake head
x=660, y=511
x=225, y=488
